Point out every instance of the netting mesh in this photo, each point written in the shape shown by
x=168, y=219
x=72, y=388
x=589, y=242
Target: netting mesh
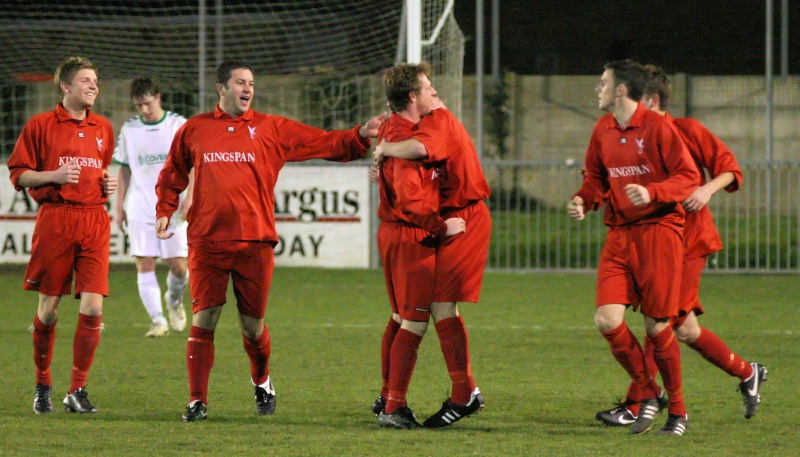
x=317, y=61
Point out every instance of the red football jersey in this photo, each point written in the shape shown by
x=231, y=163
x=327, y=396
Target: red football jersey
x=409, y=189
x=445, y=138
x=649, y=152
x=51, y=139
x=700, y=236
x=236, y=162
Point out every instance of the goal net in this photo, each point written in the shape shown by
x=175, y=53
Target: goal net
x=317, y=61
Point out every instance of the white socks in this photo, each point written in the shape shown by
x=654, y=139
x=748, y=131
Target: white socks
x=150, y=293
x=176, y=286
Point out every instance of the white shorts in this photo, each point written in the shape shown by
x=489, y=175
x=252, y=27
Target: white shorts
x=145, y=243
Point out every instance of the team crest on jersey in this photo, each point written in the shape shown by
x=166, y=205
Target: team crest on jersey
x=640, y=146
x=81, y=135
x=252, y=132
x=99, y=144
x=231, y=129
x=623, y=141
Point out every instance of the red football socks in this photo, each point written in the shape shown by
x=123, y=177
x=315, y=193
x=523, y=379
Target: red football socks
x=84, y=345
x=386, y=346
x=259, y=350
x=626, y=349
x=454, y=342
x=44, y=336
x=199, y=360
x=667, y=354
x=403, y=359
x=713, y=349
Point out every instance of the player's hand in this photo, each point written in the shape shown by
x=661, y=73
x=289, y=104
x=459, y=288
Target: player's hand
x=109, y=183
x=370, y=129
x=455, y=225
x=575, y=208
x=122, y=221
x=68, y=173
x=377, y=154
x=437, y=103
x=698, y=200
x=638, y=195
x=374, y=172
x=161, y=228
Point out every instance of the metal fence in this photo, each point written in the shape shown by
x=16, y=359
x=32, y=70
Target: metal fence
x=759, y=224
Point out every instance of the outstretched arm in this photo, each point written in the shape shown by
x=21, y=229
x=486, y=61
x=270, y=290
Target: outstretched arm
x=410, y=149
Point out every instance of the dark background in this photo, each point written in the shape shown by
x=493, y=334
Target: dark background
x=703, y=37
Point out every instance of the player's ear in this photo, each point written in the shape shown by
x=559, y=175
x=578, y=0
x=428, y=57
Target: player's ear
x=64, y=88
x=219, y=88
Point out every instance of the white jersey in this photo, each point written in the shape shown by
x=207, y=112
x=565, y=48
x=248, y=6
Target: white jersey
x=143, y=147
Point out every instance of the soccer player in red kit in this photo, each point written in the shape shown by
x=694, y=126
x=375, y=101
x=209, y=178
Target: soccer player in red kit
x=700, y=238
x=410, y=230
x=460, y=260
x=236, y=154
x=638, y=165
x=62, y=157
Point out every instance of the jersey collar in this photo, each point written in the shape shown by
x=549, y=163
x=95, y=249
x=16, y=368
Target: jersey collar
x=63, y=115
x=219, y=114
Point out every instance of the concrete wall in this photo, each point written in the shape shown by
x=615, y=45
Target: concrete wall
x=551, y=117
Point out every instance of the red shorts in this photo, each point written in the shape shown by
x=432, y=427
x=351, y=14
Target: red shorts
x=248, y=263
x=69, y=238
x=409, y=262
x=690, y=289
x=641, y=265
x=461, y=259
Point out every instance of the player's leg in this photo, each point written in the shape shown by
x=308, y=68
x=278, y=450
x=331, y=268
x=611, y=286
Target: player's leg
x=44, y=337
x=409, y=262
x=658, y=258
x=150, y=294
x=210, y=268
x=50, y=273
x=387, y=340
x=466, y=398
x=403, y=360
x=91, y=286
x=145, y=251
x=174, y=251
x=388, y=234
x=252, y=280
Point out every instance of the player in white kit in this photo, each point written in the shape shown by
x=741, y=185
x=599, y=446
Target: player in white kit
x=141, y=151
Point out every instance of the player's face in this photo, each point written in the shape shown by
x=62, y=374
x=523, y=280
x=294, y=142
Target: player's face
x=149, y=107
x=82, y=91
x=238, y=93
x=606, y=91
x=426, y=96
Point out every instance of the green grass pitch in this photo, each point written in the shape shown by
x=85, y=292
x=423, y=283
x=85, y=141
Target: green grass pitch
x=543, y=368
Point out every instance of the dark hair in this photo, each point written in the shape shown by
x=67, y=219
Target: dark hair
x=630, y=74
x=67, y=70
x=224, y=70
x=658, y=84
x=144, y=85
x=402, y=80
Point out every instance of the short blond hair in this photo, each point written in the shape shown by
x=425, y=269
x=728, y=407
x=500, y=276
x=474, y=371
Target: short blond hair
x=67, y=70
